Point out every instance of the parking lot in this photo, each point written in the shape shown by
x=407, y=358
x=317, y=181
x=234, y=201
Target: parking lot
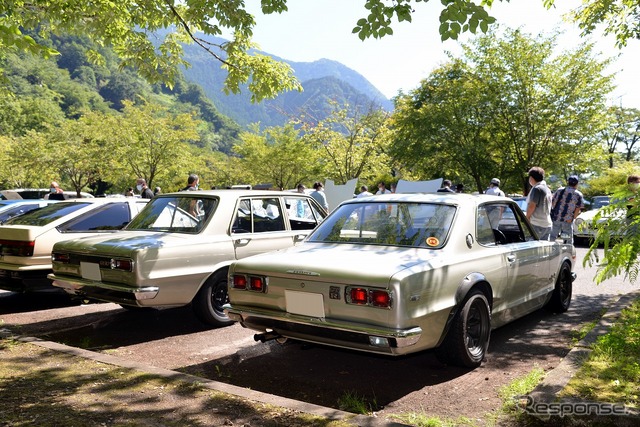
x=175, y=339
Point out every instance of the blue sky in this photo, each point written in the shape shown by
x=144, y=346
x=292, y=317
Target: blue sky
x=315, y=29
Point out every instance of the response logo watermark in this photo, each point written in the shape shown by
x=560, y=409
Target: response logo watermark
x=546, y=410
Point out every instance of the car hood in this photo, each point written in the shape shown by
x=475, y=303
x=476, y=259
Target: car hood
x=339, y=263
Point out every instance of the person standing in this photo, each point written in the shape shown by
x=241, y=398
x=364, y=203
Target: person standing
x=539, y=203
x=300, y=203
x=192, y=183
x=382, y=188
x=494, y=188
x=566, y=205
x=446, y=187
x=364, y=192
x=141, y=186
x=319, y=196
x=55, y=192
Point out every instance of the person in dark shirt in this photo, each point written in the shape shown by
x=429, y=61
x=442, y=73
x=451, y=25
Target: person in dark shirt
x=55, y=192
x=141, y=186
x=446, y=187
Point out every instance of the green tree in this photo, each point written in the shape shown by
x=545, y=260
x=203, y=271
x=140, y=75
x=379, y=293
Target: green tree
x=132, y=27
x=78, y=151
x=152, y=142
x=278, y=155
x=511, y=99
x=22, y=156
x=351, y=144
x=437, y=134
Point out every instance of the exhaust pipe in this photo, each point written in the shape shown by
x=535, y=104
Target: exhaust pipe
x=266, y=336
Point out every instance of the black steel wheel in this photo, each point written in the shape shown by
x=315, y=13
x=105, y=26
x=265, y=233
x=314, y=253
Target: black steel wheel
x=561, y=297
x=208, y=303
x=467, y=341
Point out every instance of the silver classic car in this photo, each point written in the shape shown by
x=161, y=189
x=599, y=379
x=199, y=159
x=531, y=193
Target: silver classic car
x=396, y=274
x=177, y=250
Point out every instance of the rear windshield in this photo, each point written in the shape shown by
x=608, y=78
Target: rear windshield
x=423, y=225
x=174, y=214
x=46, y=214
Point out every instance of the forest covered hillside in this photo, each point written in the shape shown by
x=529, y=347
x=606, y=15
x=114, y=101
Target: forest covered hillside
x=324, y=81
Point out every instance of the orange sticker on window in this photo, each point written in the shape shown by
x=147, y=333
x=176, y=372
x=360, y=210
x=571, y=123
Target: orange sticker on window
x=433, y=241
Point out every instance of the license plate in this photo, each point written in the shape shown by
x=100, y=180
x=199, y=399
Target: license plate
x=90, y=271
x=304, y=303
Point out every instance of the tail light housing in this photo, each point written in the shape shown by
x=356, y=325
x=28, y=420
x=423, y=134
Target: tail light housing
x=60, y=257
x=123, y=264
x=370, y=297
x=249, y=282
x=17, y=248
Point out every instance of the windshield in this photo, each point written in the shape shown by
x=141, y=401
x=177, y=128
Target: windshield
x=424, y=225
x=174, y=214
x=46, y=214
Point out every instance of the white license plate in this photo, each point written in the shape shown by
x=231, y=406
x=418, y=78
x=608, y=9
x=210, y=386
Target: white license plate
x=90, y=271
x=304, y=303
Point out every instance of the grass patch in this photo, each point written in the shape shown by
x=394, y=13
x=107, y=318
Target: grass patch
x=519, y=387
x=578, y=335
x=422, y=420
x=352, y=402
x=611, y=373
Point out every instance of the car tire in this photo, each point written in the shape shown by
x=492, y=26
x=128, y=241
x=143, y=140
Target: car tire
x=561, y=296
x=208, y=302
x=467, y=341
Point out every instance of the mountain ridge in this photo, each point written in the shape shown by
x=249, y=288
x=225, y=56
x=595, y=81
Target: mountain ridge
x=328, y=80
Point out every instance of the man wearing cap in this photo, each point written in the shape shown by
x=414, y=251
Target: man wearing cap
x=566, y=205
x=494, y=188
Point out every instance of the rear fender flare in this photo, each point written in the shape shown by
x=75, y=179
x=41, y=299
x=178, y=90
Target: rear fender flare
x=470, y=281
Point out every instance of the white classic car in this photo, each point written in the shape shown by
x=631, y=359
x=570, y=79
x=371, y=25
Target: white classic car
x=177, y=250
x=588, y=223
x=26, y=240
x=396, y=274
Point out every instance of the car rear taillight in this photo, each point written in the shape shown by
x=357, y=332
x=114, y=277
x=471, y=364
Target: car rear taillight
x=121, y=264
x=371, y=297
x=60, y=257
x=238, y=281
x=16, y=248
x=250, y=283
x=357, y=296
x=256, y=283
x=380, y=298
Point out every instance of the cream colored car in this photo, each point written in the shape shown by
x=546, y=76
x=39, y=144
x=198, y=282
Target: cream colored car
x=26, y=240
x=178, y=249
x=400, y=273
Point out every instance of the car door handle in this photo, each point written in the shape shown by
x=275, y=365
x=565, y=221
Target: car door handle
x=511, y=258
x=242, y=242
x=299, y=237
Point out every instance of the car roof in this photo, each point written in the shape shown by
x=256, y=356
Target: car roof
x=448, y=198
x=231, y=193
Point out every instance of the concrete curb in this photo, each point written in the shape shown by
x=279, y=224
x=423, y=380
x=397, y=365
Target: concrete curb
x=309, y=408
x=546, y=393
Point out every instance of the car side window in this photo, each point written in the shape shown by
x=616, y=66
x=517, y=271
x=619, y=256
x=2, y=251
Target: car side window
x=501, y=223
x=266, y=215
x=484, y=232
x=112, y=216
x=302, y=215
x=258, y=215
